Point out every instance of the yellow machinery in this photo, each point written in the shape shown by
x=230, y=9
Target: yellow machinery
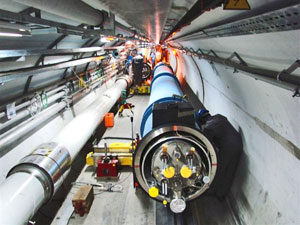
x=144, y=89
x=121, y=149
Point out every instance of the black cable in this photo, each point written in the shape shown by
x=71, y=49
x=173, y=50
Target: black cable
x=129, y=96
x=100, y=192
x=121, y=138
x=132, y=138
x=70, y=218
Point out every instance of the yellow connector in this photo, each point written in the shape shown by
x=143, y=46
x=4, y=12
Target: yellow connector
x=186, y=172
x=169, y=172
x=153, y=192
x=90, y=159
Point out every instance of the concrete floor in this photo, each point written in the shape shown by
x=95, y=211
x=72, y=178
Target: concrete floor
x=127, y=207
x=133, y=206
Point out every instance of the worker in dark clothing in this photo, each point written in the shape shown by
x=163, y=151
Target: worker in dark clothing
x=229, y=148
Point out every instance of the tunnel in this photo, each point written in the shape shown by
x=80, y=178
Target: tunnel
x=138, y=112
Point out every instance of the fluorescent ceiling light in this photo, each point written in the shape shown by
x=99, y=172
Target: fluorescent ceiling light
x=14, y=26
x=14, y=30
x=10, y=34
x=13, y=33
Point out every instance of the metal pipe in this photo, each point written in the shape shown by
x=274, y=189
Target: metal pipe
x=36, y=70
x=20, y=115
x=22, y=105
x=59, y=153
x=56, y=97
x=10, y=137
x=24, y=113
x=30, y=93
x=74, y=10
x=52, y=52
x=27, y=103
x=55, y=90
x=14, y=133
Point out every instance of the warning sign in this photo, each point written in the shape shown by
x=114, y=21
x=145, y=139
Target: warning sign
x=236, y=5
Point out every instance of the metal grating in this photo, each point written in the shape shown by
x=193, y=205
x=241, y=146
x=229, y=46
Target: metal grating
x=275, y=21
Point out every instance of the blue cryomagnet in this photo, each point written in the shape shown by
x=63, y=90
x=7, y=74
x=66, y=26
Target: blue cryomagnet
x=163, y=88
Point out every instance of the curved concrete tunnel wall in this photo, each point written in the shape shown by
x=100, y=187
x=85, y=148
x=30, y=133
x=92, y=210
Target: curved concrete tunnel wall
x=266, y=187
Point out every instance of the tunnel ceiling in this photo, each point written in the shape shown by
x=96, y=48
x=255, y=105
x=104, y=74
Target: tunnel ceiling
x=155, y=18
x=151, y=17
x=147, y=16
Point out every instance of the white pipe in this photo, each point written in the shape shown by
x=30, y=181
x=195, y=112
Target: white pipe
x=55, y=97
x=18, y=107
x=26, y=112
x=49, y=93
x=79, y=130
x=20, y=195
x=9, y=137
x=19, y=116
x=27, y=103
x=24, y=192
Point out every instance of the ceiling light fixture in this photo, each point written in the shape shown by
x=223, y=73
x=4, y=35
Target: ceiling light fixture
x=14, y=30
x=10, y=34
